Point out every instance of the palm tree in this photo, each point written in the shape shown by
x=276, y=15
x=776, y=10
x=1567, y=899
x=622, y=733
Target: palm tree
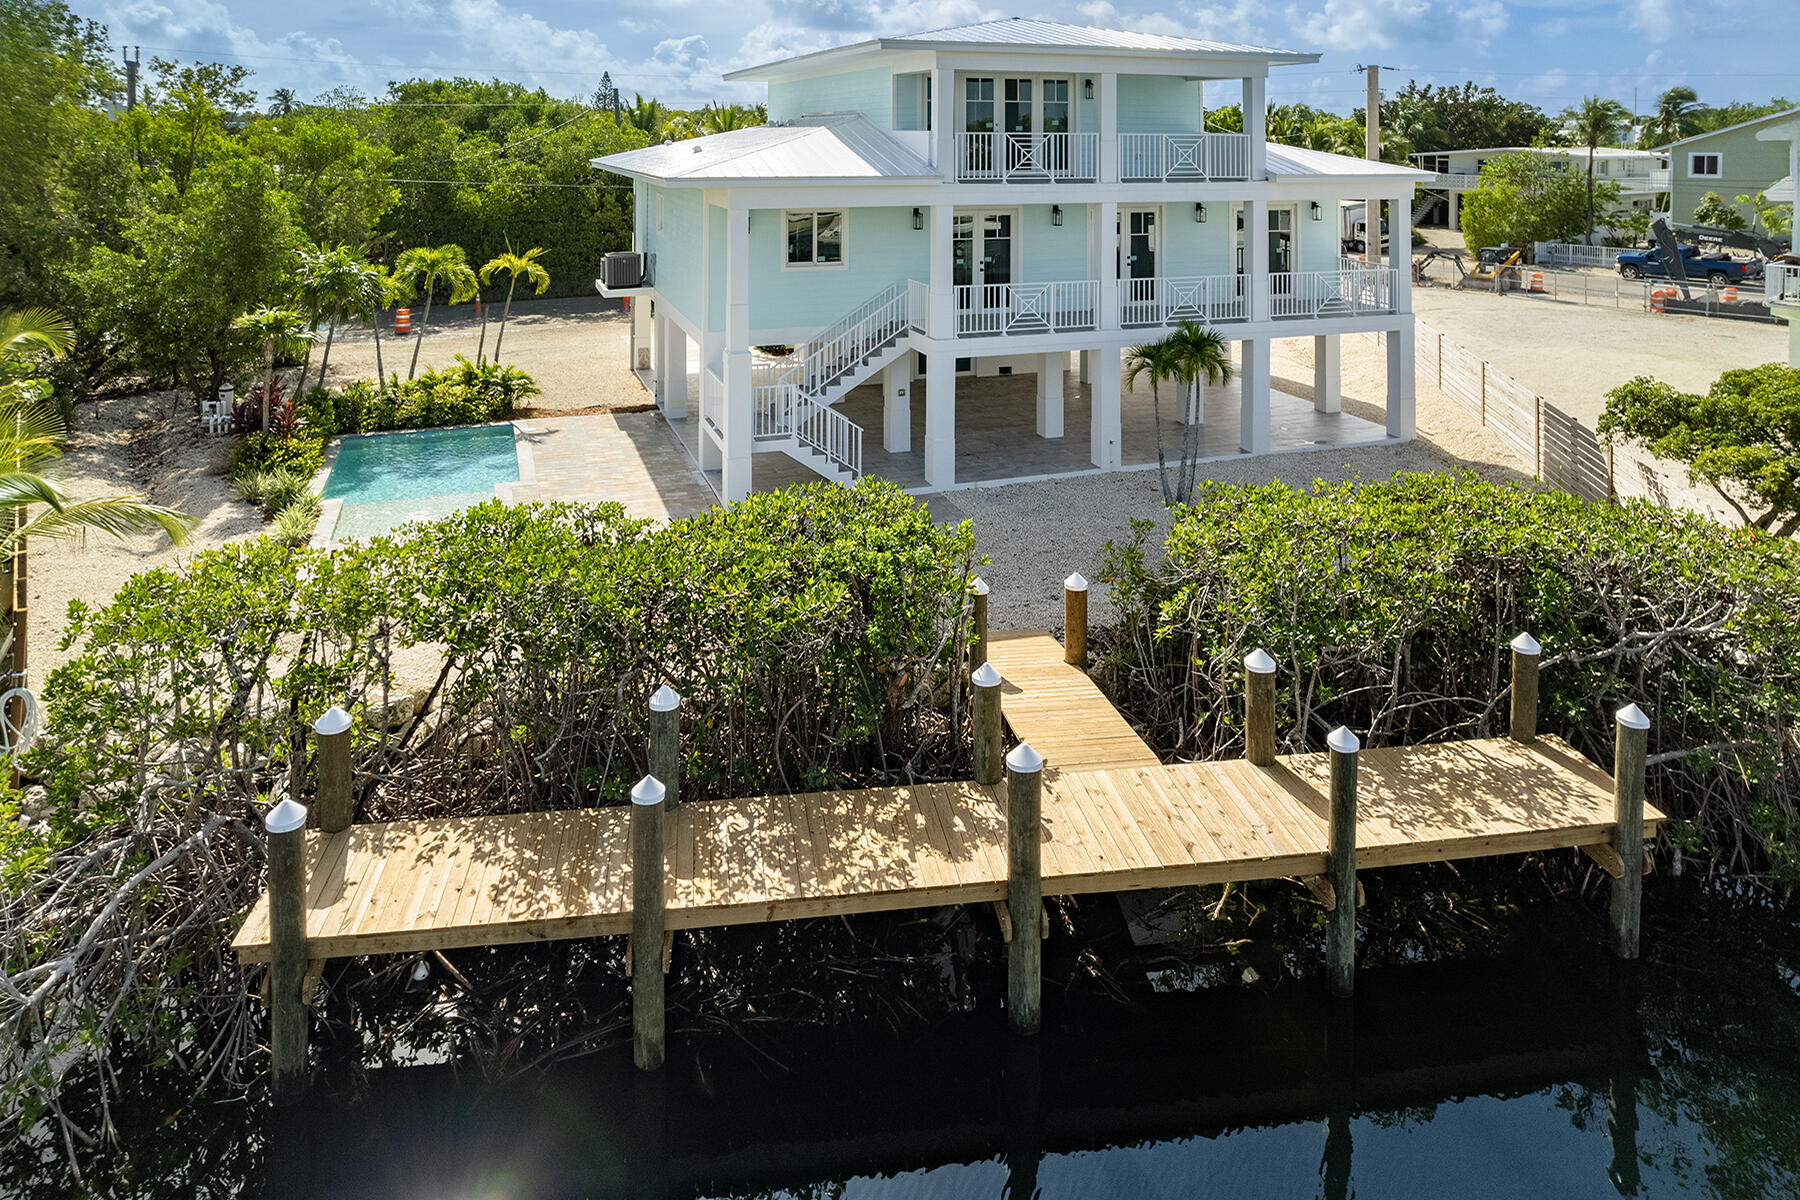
x=281, y=102
x=388, y=291
x=723, y=118
x=425, y=266
x=1188, y=355
x=515, y=265
x=1594, y=121
x=1673, y=118
x=647, y=115
x=332, y=282
x=276, y=327
x=1156, y=361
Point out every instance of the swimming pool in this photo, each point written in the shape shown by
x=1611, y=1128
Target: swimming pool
x=385, y=480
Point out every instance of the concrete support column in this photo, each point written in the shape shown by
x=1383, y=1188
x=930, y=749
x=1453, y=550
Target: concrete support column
x=896, y=405
x=1328, y=393
x=940, y=415
x=1050, y=394
x=1256, y=257
x=1454, y=220
x=1106, y=116
x=673, y=373
x=1256, y=123
x=1401, y=418
x=1085, y=364
x=1104, y=449
x=942, y=318
x=1103, y=260
x=640, y=333
x=1253, y=377
x=739, y=403
x=943, y=121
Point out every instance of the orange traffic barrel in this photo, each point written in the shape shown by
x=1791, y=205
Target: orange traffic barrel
x=403, y=321
x=1729, y=295
x=1537, y=281
x=1658, y=296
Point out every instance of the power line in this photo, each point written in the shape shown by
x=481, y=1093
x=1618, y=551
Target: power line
x=585, y=187
x=387, y=66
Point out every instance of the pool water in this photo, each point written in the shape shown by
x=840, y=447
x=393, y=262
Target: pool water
x=389, y=479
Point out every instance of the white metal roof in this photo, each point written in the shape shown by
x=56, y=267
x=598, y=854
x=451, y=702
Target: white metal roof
x=818, y=146
x=1599, y=151
x=1700, y=137
x=1028, y=33
x=1295, y=162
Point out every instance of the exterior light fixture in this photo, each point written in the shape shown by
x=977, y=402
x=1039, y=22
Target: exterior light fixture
x=1087, y=88
x=1056, y=214
x=918, y=218
x=1200, y=213
x=1315, y=210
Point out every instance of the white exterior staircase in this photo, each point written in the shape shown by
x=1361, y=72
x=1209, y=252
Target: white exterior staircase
x=794, y=397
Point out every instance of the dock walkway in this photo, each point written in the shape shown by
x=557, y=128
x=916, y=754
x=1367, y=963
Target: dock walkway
x=1113, y=817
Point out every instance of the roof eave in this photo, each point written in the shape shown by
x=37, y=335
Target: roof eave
x=784, y=67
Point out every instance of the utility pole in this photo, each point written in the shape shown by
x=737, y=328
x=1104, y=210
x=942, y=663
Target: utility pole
x=131, y=74
x=1372, y=152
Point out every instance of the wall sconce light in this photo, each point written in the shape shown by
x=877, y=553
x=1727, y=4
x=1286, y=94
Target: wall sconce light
x=1056, y=214
x=1200, y=213
x=1315, y=210
x=1087, y=88
x=918, y=218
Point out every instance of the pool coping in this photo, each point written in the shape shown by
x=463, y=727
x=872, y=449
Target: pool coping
x=330, y=510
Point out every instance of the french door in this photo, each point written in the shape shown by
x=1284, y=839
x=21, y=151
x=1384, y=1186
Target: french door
x=1023, y=116
x=981, y=265
x=1281, y=244
x=1139, y=253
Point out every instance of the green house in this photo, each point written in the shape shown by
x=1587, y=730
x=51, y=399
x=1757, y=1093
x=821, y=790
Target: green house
x=1738, y=160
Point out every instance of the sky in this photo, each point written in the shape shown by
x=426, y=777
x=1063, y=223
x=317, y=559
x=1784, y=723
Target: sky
x=1549, y=53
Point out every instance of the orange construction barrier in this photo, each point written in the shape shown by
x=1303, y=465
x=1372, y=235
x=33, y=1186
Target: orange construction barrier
x=1658, y=296
x=1729, y=295
x=1537, y=281
x=403, y=321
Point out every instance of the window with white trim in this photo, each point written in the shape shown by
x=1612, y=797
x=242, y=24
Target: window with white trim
x=815, y=238
x=1705, y=166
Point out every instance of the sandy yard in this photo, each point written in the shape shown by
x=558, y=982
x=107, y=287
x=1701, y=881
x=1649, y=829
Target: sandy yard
x=1036, y=533
x=1573, y=354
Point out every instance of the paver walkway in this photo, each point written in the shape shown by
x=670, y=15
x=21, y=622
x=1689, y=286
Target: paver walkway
x=631, y=458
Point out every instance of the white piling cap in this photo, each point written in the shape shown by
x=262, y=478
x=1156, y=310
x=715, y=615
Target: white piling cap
x=285, y=817
x=666, y=699
x=1258, y=662
x=985, y=676
x=1342, y=741
x=1024, y=760
x=1075, y=583
x=1632, y=717
x=1526, y=644
x=334, y=720
x=979, y=587
x=648, y=791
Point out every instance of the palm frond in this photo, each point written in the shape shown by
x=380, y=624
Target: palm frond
x=120, y=516
x=23, y=331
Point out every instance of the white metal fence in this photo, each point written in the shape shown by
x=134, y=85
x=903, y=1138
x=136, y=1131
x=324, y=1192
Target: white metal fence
x=1178, y=157
x=1331, y=293
x=1022, y=308
x=1206, y=299
x=1569, y=254
x=1027, y=157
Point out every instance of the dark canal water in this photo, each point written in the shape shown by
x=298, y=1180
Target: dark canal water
x=1541, y=1072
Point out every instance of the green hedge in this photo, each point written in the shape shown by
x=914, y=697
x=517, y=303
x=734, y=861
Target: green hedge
x=464, y=394
x=301, y=453
x=1389, y=607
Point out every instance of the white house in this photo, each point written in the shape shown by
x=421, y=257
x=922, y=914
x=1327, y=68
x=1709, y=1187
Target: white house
x=1642, y=175
x=1068, y=205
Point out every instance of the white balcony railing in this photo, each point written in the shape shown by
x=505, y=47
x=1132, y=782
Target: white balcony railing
x=1204, y=299
x=828, y=432
x=1781, y=283
x=1332, y=293
x=918, y=305
x=1178, y=157
x=1027, y=157
x=989, y=309
x=712, y=401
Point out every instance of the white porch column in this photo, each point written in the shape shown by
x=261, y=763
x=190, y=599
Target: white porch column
x=1104, y=423
x=943, y=121
x=941, y=322
x=1256, y=124
x=1050, y=394
x=1328, y=394
x=1401, y=422
x=640, y=334
x=1253, y=419
x=1106, y=117
x=672, y=374
x=1103, y=259
x=1085, y=359
x=896, y=405
x=940, y=415
x=1454, y=219
x=1256, y=257
x=739, y=403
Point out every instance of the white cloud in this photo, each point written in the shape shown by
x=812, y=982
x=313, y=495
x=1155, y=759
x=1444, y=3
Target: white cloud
x=1553, y=28
x=1106, y=15
x=1358, y=24
x=1233, y=21
x=1481, y=19
x=1653, y=18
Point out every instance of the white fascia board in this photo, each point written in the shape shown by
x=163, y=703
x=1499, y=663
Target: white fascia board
x=1072, y=62
x=987, y=56
x=991, y=51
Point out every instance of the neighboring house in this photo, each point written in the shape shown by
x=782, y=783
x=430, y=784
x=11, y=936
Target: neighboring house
x=1738, y=160
x=990, y=200
x=1642, y=175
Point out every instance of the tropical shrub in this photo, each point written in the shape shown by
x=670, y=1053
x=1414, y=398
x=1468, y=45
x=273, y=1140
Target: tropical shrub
x=463, y=394
x=247, y=412
x=1389, y=607
x=301, y=453
x=294, y=521
x=814, y=635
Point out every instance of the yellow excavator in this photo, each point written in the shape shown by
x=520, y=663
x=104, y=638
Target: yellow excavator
x=1498, y=265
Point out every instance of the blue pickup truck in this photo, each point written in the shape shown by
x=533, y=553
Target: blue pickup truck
x=1712, y=268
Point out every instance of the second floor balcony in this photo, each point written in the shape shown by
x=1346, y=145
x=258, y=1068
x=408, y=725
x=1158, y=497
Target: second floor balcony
x=1026, y=157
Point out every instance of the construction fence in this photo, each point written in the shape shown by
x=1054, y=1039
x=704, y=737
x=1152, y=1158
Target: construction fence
x=1548, y=442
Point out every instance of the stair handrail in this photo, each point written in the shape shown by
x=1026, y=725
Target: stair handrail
x=828, y=360
x=828, y=433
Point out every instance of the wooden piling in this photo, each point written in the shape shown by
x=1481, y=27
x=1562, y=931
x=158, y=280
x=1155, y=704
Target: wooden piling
x=1340, y=863
x=1630, y=747
x=1024, y=888
x=665, y=743
x=984, y=719
x=1075, y=614
x=978, y=636
x=285, y=827
x=1525, y=656
x=647, y=1039
x=336, y=802
x=1259, y=708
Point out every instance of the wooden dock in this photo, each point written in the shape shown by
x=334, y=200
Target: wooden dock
x=1057, y=708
